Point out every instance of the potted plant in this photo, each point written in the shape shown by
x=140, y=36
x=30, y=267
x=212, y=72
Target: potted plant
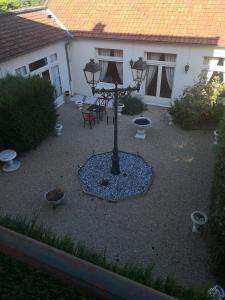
x=67, y=97
x=120, y=107
x=55, y=196
x=58, y=129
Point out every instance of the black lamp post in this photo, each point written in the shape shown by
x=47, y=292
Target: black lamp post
x=92, y=74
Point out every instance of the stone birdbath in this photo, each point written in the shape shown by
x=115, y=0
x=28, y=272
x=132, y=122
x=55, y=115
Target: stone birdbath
x=141, y=123
x=8, y=158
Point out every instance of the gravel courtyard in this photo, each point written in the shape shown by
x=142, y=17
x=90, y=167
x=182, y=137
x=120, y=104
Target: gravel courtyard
x=152, y=229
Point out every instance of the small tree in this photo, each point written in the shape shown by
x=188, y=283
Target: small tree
x=27, y=112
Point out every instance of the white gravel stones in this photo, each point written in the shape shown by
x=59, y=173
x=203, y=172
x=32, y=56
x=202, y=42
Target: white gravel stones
x=134, y=179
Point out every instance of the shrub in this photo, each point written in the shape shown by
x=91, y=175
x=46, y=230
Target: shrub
x=217, y=210
x=8, y=4
x=132, y=105
x=137, y=273
x=27, y=112
x=198, y=106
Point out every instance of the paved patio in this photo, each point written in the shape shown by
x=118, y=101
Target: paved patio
x=151, y=229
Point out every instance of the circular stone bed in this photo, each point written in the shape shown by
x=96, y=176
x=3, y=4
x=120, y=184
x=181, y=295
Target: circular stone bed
x=134, y=179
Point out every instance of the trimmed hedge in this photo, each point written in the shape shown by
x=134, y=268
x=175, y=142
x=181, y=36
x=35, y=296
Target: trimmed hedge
x=132, y=105
x=27, y=112
x=216, y=237
x=198, y=107
x=137, y=273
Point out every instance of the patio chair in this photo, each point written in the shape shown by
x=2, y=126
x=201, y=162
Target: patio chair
x=88, y=117
x=102, y=103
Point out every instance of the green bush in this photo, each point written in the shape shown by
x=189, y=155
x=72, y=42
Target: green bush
x=6, y=5
x=217, y=210
x=27, y=112
x=198, y=106
x=137, y=273
x=132, y=105
x=9, y=4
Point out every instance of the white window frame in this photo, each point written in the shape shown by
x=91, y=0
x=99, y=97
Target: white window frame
x=160, y=64
x=47, y=67
x=109, y=59
x=208, y=68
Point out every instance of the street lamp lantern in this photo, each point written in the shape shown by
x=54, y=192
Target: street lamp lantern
x=139, y=69
x=92, y=74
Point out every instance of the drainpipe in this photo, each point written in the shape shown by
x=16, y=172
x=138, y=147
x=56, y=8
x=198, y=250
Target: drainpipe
x=68, y=64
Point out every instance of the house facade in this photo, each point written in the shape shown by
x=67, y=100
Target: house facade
x=166, y=78
x=179, y=40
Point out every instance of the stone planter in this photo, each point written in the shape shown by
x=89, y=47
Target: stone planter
x=54, y=197
x=141, y=123
x=67, y=97
x=216, y=292
x=58, y=129
x=199, y=219
x=120, y=107
x=79, y=104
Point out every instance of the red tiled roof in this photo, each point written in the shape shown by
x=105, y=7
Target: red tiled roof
x=179, y=21
x=24, y=32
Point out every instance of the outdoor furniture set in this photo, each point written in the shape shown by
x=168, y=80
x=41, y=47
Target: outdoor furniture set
x=95, y=112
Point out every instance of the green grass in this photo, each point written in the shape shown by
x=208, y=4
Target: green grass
x=31, y=281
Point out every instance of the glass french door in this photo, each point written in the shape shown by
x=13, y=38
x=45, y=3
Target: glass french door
x=159, y=81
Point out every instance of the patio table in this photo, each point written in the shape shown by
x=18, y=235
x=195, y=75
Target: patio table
x=8, y=157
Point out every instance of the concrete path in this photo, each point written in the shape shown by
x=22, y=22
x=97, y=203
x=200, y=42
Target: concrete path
x=152, y=229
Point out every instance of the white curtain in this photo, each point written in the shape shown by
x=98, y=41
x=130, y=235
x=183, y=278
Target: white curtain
x=104, y=68
x=118, y=53
x=169, y=76
x=170, y=70
x=56, y=80
x=150, y=74
x=153, y=56
x=170, y=57
x=119, y=66
x=103, y=52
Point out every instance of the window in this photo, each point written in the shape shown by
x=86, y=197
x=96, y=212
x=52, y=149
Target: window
x=160, y=75
x=213, y=61
x=110, y=52
x=214, y=66
x=161, y=56
x=53, y=57
x=111, y=72
x=56, y=81
x=46, y=75
x=111, y=65
x=22, y=71
x=38, y=64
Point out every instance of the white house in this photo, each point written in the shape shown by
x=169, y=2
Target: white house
x=33, y=44
x=179, y=39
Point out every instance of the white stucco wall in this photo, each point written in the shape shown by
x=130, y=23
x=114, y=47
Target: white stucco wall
x=81, y=50
x=11, y=65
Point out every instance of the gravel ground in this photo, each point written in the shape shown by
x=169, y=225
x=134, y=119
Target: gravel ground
x=151, y=229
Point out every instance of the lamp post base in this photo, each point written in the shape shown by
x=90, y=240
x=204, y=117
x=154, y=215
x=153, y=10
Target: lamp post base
x=115, y=170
